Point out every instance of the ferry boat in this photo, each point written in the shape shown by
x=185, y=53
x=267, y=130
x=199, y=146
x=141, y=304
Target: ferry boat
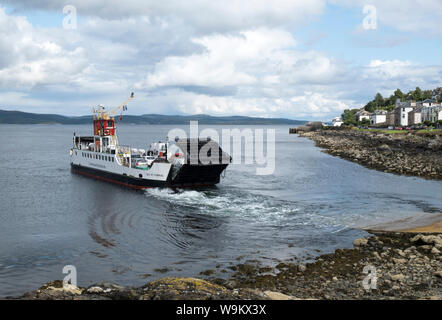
x=163, y=164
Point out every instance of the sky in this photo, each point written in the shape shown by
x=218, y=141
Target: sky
x=295, y=59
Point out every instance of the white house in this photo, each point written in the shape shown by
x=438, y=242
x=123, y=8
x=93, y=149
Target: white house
x=378, y=117
x=415, y=116
x=401, y=112
x=432, y=114
x=362, y=114
x=428, y=103
x=337, y=122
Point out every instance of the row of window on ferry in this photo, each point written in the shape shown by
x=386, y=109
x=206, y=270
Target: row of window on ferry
x=97, y=156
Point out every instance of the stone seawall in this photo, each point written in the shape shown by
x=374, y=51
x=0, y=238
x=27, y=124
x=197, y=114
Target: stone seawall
x=415, y=154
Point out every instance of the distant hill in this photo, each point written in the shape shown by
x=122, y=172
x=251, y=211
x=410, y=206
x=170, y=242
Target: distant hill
x=18, y=117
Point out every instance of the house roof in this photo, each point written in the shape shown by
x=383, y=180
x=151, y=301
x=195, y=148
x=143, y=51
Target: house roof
x=418, y=109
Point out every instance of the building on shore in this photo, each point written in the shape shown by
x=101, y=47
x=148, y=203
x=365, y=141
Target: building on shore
x=415, y=116
x=378, y=117
x=401, y=111
x=404, y=114
x=431, y=113
x=429, y=103
x=362, y=114
x=337, y=122
x=390, y=118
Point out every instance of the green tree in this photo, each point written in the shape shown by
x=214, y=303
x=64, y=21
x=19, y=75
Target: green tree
x=427, y=94
x=364, y=122
x=398, y=94
x=417, y=94
x=370, y=107
x=390, y=107
x=379, y=100
x=349, y=116
x=391, y=101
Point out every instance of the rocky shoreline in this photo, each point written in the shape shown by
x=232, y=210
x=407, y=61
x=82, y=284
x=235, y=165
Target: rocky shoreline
x=408, y=153
x=407, y=266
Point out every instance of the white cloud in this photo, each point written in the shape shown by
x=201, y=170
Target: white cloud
x=31, y=58
x=388, y=68
x=269, y=74
x=227, y=60
x=391, y=74
x=261, y=58
x=418, y=16
x=305, y=105
x=318, y=105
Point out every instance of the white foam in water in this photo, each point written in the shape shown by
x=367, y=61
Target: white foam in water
x=189, y=197
x=255, y=208
x=248, y=206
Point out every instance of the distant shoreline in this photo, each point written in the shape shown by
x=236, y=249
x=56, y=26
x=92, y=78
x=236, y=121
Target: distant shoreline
x=18, y=117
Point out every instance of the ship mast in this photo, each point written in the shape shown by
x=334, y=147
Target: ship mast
x=102, y=114
x=104, y=120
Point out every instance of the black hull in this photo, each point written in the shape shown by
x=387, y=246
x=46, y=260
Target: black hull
x=198, y=174
x=189, y=176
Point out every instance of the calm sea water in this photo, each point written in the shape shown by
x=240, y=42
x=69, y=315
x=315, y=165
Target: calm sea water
x=50, y=217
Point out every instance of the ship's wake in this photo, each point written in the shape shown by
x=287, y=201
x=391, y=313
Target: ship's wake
x=245, y=206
